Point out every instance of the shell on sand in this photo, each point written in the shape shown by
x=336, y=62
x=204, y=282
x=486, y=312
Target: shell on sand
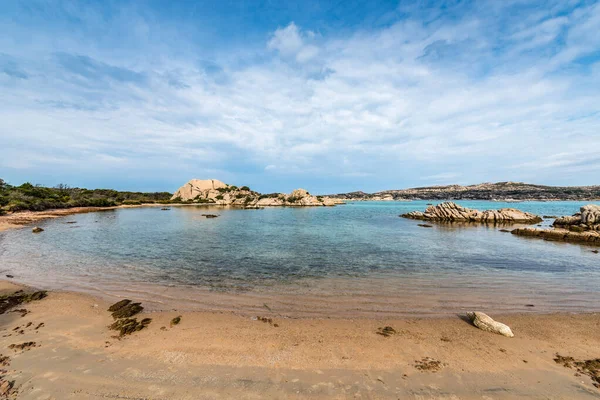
x=486, y=323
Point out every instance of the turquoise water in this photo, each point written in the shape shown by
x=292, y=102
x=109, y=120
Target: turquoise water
x=355, y=259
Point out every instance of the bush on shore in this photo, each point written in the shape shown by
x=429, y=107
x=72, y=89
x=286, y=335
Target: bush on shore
x=39, y=198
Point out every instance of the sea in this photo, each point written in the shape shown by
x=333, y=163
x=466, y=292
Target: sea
x=357, y=260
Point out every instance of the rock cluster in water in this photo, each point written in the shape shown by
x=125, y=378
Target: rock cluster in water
x=212, y=191
x=582, y=227
x=449, y=211
x=588, y=219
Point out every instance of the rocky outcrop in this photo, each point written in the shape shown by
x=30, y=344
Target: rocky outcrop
x=213, y=191
x=486, y=323
x=197, y=188
x=588, y=219
x=587, y=237
x=582, y=227
x=452, y=212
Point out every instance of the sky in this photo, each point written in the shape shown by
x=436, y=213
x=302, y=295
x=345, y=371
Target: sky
x=330, y=96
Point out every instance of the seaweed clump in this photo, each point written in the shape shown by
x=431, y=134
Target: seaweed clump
x=122, y=311
x=22, y=346
x=126, y=326
x=428, y=364
x=6, y=386
x=590, y=368
x=386, y=332
x=125, y=309
x=19, y=297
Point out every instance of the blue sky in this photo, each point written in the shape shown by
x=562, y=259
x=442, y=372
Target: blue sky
x=331, y=96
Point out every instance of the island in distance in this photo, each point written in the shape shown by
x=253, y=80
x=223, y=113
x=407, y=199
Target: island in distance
x=213, y=191
x=501, y=191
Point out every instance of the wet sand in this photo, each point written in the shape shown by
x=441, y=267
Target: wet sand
x=225, y=355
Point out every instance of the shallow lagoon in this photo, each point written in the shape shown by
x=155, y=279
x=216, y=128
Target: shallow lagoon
x=354, y=260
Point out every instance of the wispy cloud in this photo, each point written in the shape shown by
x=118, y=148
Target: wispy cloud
x=501, y=91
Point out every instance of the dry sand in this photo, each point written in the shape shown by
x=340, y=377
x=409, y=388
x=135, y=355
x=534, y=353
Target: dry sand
x=219, y=355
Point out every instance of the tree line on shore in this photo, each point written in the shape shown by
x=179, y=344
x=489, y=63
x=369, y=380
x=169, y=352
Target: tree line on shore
x=38, y=198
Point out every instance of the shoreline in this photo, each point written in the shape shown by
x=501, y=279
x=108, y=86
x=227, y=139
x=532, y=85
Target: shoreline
x=210, y=355
x=20, y=219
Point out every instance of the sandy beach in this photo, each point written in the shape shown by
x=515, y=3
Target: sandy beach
x=224, y=355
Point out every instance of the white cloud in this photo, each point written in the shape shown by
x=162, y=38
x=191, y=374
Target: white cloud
x=410, y=100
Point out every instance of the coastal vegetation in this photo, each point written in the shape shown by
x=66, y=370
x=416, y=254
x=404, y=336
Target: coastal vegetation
x=38, y=198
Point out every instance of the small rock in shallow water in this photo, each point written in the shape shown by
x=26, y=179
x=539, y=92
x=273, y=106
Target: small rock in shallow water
x=425, y=225
x=10, y=276
x=486, y=323
x=37, y=229
x=210, y=215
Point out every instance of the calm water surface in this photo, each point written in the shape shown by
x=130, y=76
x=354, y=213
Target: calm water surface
x=355, y=260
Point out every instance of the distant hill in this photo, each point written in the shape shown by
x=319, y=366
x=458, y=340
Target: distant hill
x=483, y=191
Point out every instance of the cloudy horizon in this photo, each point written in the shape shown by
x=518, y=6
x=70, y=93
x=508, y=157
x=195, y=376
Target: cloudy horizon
x=325, y=96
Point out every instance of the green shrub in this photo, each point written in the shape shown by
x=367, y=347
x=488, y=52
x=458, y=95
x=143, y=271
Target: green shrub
x=245, y=188
x=131, y=203
x=269, y=196
x=219, y=197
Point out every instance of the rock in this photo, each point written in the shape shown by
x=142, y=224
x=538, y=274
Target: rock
x=198, y=187
x=486, y=323
x=449, y=211
x=210, y=215
x=588, y=237
x=425, y=225
x=549, y=216
x=213, y=191
x=10, y=276
x=588, y=219
x=165, y=209
x=504, y=230
x=37, y=229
